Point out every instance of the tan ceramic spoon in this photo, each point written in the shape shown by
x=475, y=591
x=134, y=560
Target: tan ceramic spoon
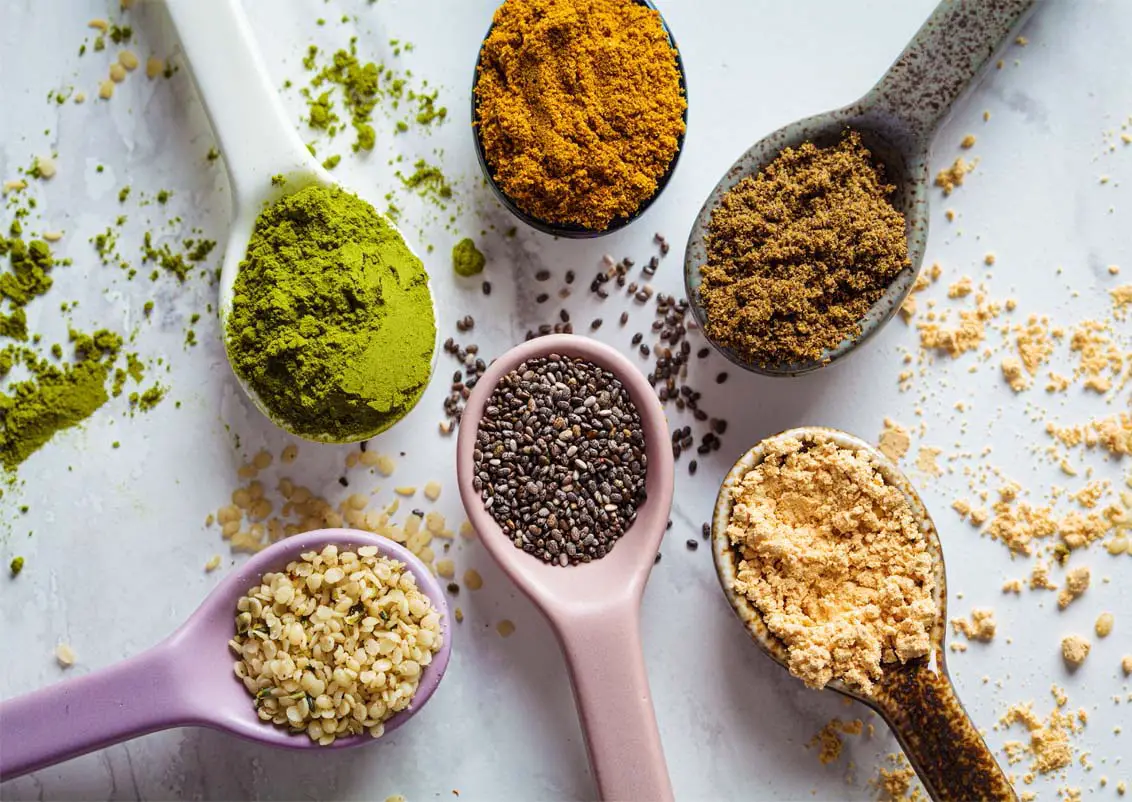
x=917, y=699
x=897, y=120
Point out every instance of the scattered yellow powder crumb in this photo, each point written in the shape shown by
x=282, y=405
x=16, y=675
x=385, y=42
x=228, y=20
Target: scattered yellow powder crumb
x=432, y=491
x=1090, y=494
x=405, y=490
x=950, y=215
x=1012, y=586
x=505, y=628
x=968, y=335
x=117, y=73
x=834, y=560
x=128, y=60
x=1021, y=41
x=926, y=460
x=1126, y=664
x=961, y=288
x=1039, y=577
x=1076, y=583
x=1103, y=627
x=212, y=564
x=65, y=655
x=1121, y=300
x=897, y=782
x=459, y=615
x=951, y=177
x=1114, y=270
x=445, y=568
x=1112, y=433
x=1014, y=374
x=1049, y=748
x=981, y=627
x=154, y=66
x=1074, y=650
x=1101, y=360
x=106, y=89
x=988, y=260
x=894, y=440
x=968, y=142
x=472, y=579
x=45, y=167
x=829, y=740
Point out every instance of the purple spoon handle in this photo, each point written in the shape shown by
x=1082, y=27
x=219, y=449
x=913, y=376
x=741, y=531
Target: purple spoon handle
x=141, y=695
x=611, y=691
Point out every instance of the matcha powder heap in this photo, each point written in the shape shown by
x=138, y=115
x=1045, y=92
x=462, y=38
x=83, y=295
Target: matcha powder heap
x=332, y=323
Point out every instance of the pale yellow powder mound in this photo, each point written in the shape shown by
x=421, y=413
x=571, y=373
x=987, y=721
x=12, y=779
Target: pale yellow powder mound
x=894, y=440
x=981, y=627
x=1074, y=650
x=834, y=560
x=1049, y=747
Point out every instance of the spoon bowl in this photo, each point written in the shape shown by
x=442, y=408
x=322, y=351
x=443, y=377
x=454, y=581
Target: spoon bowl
x=916, y=698
x=571, y=230
x=897, y=120
x=594, y=608
x=187, y=679
x=265, y=158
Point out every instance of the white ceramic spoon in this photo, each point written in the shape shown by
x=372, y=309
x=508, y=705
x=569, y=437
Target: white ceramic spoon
x=257, y=140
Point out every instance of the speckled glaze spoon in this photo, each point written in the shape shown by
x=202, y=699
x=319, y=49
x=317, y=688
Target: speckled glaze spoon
x=187, y=679
x=897, y=121
x=916, y=699
x=257, y=140
x=594, y=608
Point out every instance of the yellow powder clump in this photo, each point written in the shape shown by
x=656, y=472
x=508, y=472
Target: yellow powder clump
x=1113, y=434
x=1074, y=650
x=833, y=558
x=1035, y=343
x=1121, y=301
x=1104, y=624
x=1076, y=583
x=1017, y=524
x=1101, y=360
x=1126, y=664
x=894, y=440
x=1039, y=577
x=961, y=288
x=951, y=177
x=898, y=783
x=981, y=627
x=954, y=341
x=1014, y=374
x=926, y=460
x=968, y=142
x=1049, y=746
x=828, y=738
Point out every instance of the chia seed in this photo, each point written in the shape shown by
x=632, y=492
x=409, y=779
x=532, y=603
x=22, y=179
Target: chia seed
x=560, y=459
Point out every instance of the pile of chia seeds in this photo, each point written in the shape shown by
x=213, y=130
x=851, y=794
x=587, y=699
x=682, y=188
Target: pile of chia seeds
x=560, y=459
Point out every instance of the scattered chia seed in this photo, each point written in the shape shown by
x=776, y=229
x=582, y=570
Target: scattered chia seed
x=692, y=544
x=706, y=529
x=721, y=378
x=560, y=459
x=542, y=275
x=487, y=288
x=542, y=298
x=596, y=324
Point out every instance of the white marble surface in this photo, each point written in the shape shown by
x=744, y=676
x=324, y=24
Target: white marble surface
x=115, y=559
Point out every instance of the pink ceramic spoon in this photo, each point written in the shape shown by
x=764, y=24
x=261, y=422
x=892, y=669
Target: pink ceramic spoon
x=594, y=608
x=187, y=679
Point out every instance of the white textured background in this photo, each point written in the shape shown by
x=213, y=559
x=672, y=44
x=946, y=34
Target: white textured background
x=115, y=561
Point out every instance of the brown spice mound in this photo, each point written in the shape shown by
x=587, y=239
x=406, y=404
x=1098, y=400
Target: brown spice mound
x=580, y=108
x=797, y=254
x=834, y=560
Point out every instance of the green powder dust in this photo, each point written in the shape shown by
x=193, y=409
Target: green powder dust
x=466, y=258
x=332, y=323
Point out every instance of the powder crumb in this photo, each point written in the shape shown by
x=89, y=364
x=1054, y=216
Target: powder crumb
x=981, y=627
x=894, y=440
x=65, y=655
x=1014, y=374
x=1039, y=577
x=989, y=259
x=1074, y=650
x=505, y=628
x=459, y=615
x=1114, y=270
x=128, y=60
x=828, y=738
x=472, y=579
x=1121, y=300
x=1049, y=748
x=212, y=564
x=106, y=89
x=432, y=491
x=951, y=177
x=1100, y=360
x=897, y=782
x=926, y=460
x=1104, y=624
x=823, y=538
x=45, y=167
x=968, y=335
x=1126, y=664
x=1076, y=583
x=385, y=465
x=968, y=142
x=961, y=288
x=1012, y=586
x=445, y=568
x=1112, y=433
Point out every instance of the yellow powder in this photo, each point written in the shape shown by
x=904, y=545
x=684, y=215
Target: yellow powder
x=1074, y=650
x=1126, y=664
x=1039, y=577
x=926, y=460
x=1076, y=583
x=834, y=560
x=968, y=142
x=954, y=341
x=1090, y=494
x=951, y=177
x=894, y=440
x=1034, y=342
x=1113, y=434
x=897, y=782
x=1100, y=360
x=1049, y=748
x=828, y=738
x=981, y=627
x=1121, y=301
x=1012, y=586
x=1104, y=624
x=1014, y=374
x=961, y=289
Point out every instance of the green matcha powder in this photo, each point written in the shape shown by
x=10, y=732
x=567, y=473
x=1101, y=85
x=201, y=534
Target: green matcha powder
x=332, y=324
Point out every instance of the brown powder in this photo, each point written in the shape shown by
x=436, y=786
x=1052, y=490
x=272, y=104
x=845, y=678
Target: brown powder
x=834, y=560
x=797, y=255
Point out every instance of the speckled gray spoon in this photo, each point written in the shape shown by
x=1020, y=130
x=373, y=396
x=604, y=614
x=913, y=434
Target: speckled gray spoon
x=897, y=121
x=916, y=699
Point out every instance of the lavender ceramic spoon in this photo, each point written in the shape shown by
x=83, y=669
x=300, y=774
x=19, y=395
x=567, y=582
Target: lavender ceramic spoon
x=593, y=608
x=916, y=699
x=187, y=679
x=897, y=121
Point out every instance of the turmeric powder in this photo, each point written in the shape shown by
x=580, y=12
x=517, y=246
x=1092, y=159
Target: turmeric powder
x=579, y=107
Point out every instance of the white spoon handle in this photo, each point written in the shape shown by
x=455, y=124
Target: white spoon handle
x=256, y=138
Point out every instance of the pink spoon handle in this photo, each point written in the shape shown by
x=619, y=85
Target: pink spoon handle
x=135, y=697
x=611, y=691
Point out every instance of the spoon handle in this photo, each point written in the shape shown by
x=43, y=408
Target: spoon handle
x=939, y=739
x=611, y=691
x=70, y=718
x=257, y=139
x=942, y=60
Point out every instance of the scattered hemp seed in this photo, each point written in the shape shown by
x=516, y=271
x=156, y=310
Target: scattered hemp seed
x=154, y=66
x=1103, y=627
x=16, y=565
x=106, y=89
x=128, y=60
x=432, y=491
x=458, y=614
x=117, y=73
x=968, y=142
x=64, y=655
x=1074, y=650
x=472, y=579
x=505, y=628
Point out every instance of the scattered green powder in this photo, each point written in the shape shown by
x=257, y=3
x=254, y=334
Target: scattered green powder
x=332, y=323
x=466, y=258
x=16, y=565
x=428, y=182
x=123, y=193
x=212, y=155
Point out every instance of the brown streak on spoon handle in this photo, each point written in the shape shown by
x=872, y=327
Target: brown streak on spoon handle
x=952, y=47
x=941, y=742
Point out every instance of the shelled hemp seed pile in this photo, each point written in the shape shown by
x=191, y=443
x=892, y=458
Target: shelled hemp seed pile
x=335, y=644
